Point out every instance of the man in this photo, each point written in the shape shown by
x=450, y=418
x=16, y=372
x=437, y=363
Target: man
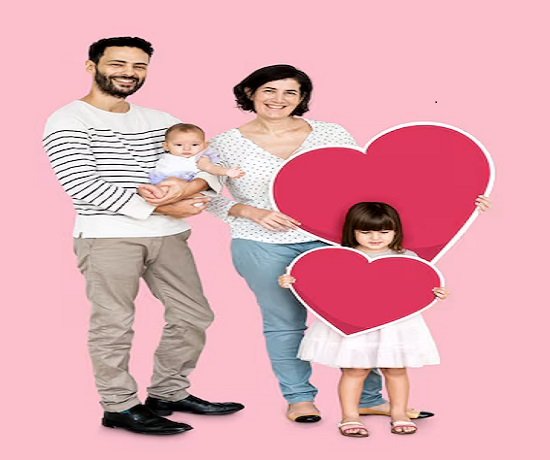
x=101, y=149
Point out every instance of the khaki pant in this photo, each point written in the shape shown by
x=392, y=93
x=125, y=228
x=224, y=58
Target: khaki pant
x=112, y=268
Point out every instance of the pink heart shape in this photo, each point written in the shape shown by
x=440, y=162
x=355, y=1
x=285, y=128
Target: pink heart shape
x=355, y=294
x=431, y=173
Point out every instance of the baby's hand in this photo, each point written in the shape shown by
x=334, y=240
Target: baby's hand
x=285, y=281
x=235, y=173
x=483, y=203
x=441, y=292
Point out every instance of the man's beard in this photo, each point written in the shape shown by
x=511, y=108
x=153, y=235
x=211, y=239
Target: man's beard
x=107, y=86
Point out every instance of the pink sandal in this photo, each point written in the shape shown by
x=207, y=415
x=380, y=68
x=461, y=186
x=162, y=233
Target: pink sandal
x=398, y=426
x=346, y=427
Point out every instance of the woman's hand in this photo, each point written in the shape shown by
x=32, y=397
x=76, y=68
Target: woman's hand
x=483, y=203
x=441, y=292
x=272, y=220
x=285, y=281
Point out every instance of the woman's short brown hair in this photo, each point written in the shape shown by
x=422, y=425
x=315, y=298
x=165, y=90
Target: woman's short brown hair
x=246, y=88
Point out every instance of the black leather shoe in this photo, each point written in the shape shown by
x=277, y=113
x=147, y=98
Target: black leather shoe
x=193, y=405
x=412, y=413
x=424, y=414
x=141, y=419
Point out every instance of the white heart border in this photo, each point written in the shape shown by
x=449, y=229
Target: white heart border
x=370, y=260
x=363, y=150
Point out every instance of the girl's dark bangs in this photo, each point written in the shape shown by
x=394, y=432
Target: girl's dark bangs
x=376, y=223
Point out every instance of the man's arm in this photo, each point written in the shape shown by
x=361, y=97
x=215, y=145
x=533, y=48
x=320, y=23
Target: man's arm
x=178, y=189
x=67, y=143
x=184, y=208
x=171, y=190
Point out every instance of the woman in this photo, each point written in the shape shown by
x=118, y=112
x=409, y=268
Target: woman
x=266, y=241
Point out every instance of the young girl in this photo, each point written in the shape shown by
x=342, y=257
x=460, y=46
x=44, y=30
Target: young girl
x=375, y=229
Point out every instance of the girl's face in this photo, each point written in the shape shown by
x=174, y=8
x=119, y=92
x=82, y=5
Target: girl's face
x=374, y=240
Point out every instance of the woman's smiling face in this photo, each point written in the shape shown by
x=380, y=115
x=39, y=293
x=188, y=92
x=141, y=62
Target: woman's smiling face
x=277, y=99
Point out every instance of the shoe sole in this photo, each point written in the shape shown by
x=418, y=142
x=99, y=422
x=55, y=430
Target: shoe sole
x=306, y=419
x=420, y=416
x=109, y=424
x=165, y=412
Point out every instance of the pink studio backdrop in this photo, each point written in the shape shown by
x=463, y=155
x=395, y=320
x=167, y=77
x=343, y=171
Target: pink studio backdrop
x=480, y=66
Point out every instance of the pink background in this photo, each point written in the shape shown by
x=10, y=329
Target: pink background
x=374, y=65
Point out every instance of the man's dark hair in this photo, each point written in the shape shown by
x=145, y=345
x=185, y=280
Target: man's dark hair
x=97, y=49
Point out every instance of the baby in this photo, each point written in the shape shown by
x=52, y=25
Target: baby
x=187, y=154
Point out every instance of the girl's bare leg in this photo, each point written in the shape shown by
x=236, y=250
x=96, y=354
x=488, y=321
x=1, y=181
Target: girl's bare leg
x=397, y=385
x=350, y=388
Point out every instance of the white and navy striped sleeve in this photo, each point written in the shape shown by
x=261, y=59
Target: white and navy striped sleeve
x=67, y=142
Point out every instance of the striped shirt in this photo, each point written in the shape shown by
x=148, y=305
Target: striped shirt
x=100, y=158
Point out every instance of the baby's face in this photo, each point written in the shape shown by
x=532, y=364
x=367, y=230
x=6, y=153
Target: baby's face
x=185, y=144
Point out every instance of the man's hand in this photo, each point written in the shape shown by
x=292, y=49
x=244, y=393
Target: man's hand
x=150, y=191
x=184, y=208
x=174, y=190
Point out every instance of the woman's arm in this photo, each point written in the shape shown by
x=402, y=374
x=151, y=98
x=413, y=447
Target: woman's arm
x=483, y=203
x=272, y=220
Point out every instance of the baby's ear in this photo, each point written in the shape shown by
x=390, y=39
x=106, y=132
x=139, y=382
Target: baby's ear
x=165, y=145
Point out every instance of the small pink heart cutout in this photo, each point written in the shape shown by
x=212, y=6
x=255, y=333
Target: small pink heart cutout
x=355, y=294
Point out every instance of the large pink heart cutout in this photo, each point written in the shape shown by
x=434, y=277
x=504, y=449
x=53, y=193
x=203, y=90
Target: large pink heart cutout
x=354, y=294
x=431, y=173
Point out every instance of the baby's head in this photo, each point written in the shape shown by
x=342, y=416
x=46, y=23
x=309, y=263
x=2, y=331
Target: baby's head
x=184, y=140
x=373, y=217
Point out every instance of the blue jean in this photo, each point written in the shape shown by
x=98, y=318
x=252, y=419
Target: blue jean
x=284, y=317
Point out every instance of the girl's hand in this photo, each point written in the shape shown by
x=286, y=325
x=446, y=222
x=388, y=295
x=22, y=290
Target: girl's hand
x=441, y=292
x=285, y=281
x=483, y=203
x=272, y=220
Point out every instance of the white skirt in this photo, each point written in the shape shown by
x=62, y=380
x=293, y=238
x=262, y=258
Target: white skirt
x=407, y=343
